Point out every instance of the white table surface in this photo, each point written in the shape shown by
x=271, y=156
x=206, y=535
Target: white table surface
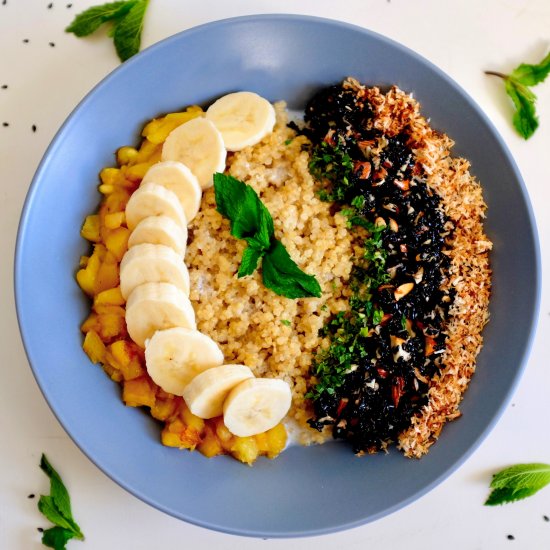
x=45, y=82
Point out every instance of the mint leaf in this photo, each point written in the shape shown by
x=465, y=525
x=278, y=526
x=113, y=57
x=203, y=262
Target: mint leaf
x=90, y=20
x=249, y=261
x=530, y=75
x=286, y=322
x=56, y=507
x=282, y=275
x=127, y=35
x=57, y=538
x=525, y=119
x=518, y=482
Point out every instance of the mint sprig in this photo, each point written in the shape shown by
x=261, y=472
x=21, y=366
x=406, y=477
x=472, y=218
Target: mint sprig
x=251, y=221
x=56, y=507
x=517, y=85
x=126, y=17
x=518, y=482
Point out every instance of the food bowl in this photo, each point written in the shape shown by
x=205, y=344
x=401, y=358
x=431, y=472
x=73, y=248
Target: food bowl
x=306, y=490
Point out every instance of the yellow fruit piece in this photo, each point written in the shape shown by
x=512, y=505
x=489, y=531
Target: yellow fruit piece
x=116, y=241
x=276, y=438
x=245, y=449
x=169, y=439
x=106, y=189
x=87, y=277
x=113, y=373
x=137, y=171
x=91, y=323
x=114, y=220
x=148, y=152
x=189, y=419
x=187, y=438
x=107, y=274
x=262, y=443
x=125, y=358
x=158, y=129
x=164, y=408
x=138, y=392
x=210, y=445
x=94, y=347
x=90, y=228
x=225, y=437
x=111, y=322
x=110, y=176
x=125, y=155
x=83, y=262
x=109, y=297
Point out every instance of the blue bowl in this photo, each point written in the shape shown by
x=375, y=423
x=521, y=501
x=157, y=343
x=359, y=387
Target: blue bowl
x=306, y=491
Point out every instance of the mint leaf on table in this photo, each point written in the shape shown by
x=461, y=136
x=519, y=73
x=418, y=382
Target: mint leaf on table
x=126, y=17
x=517, y=85
x=127, y=33
x=56, y=507
x=250, y=220
x=518, y=482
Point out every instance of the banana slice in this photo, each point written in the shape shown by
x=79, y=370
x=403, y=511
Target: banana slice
x=178, y=178
x=206, y=393
x=152, y=199
x=157, y=306
x=160, y=230
x=176, y=355
x=256, y=405
x=199, y=145
x=243, y=119
x=152, y=263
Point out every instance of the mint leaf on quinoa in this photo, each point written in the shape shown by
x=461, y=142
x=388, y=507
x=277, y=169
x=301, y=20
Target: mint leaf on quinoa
x=517, y=85
x=251, y=221
x=56, y=507
x=126, y=17
x=518, y=482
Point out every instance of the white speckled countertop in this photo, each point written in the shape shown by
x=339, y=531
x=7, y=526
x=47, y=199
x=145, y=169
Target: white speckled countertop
x=43, y=75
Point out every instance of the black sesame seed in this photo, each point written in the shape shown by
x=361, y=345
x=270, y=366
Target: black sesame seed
x=4, y=2
x=25, y=40
x=40, y=530
x=545, y=518
x=4, y=86
x=69, y=6
x=511, y=537
x=31, y=495
x=33, y=127
x=5, y=124
x=52, y=44
x=50, y=6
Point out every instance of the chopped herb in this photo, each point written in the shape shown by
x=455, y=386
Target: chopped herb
x=251, y=221
x=517, y=85
x=286, y=322
x=518, y=482
x=56, y=507
x=127, y=18
x=288, y=141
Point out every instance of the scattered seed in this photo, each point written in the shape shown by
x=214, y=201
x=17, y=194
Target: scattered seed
x=33, y=127
x=5, y=124
x=545, y=518
x=31, y=495
x=511, y=537
x=4, y=2
x=40, y=530
x=25, y=40
x=52, y=44
x=50, y=6
x=4, y=86
x=69, y=6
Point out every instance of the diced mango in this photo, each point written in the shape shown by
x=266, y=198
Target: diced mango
x=113, y=221
x=91, y=323
x=116, y=240
x=210, y=445
x=126, y=155
x=147, y=152
x=110, y=176
x=158, y=129
x=169, y=439
x=87, y=276
x=138, y=392
x=137, y=171
x=276, y=438
x=107, y=274
x=245, y=449
x=111, y=322
x=164, y=408
x=225, y=437
x=109, y=297
x=94, y=347
x=113, y=373
x=90, y=228
x=189, y=419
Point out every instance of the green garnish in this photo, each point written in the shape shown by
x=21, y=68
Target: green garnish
x=126, y=17
x=518, y=482
x=56, y=507
x=286, y=322
x=252, y=222
x=517, y=85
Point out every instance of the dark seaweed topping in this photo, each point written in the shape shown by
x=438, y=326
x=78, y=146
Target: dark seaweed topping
x=387, y=347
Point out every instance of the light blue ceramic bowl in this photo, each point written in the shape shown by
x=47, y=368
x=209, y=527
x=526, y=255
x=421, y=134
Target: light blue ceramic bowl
x=305, y=491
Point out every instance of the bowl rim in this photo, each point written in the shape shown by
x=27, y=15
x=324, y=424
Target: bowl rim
x=271, y=17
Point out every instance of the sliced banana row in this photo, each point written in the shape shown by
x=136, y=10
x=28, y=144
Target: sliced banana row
x=155, y=281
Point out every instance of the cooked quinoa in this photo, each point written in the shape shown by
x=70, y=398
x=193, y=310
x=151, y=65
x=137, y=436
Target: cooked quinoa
x=279, y=337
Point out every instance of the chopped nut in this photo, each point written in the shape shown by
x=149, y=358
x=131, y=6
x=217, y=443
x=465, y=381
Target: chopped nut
x=393, y=225
x=380, y=222
x=403, y=290
x=418, y=275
